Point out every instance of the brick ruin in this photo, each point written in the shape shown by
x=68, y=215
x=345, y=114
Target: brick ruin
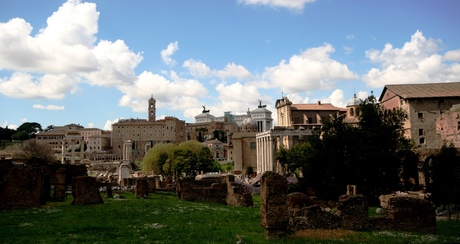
x=217, y=189
x=27, y=186
x=282, y=213
x=85, y=191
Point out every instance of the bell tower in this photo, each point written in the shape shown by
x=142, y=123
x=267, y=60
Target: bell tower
x=152, y=109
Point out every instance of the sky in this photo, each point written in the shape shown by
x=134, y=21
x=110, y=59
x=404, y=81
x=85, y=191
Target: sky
x=93, y=63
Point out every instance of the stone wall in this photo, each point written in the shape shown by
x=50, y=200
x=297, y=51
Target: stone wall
x=218, y=189
x=407, y=214
x=85, y=191
x=20, y=186
x=281, y=212
x=273, y=207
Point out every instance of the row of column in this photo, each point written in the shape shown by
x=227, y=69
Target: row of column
x=265, y=152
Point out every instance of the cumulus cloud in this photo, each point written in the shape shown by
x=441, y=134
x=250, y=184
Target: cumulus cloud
x=108, y=124
x=161, y=88
x=197, y=68
x=453, y=55
x=168, y=52
x=24, y=85
x=298, y=99
x=238, y=97
x=48, y=107
x=62, y=54
x=231, y=70
x=337, y=98
x=294, y=5
x=311, y=69
x=416, y=62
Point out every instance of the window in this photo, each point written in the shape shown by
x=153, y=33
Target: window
x=420, y=132
x=422, y=140
x=420, y=115
x=253, y=145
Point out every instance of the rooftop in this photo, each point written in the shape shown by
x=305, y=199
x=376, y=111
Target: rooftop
x=428, y=90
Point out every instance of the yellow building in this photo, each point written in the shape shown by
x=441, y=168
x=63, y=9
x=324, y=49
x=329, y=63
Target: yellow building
x=144, y=134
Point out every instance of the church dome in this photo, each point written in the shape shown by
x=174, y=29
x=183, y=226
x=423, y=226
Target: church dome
x=355, y=101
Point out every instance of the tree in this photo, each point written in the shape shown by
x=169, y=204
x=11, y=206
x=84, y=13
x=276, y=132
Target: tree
x=205, y=160
x=5, y=133
x=159, y=159
x=369, y=155
x=37, y=154
x=20, y=136
x=446, y=176
x=30, y=129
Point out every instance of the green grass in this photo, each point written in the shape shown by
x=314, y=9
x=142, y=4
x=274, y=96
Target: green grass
x=166, y=219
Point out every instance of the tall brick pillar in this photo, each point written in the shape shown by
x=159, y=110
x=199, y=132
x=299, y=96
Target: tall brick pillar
x=273, y=207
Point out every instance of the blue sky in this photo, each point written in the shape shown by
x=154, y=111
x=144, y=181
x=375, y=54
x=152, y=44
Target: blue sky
x=92, y=63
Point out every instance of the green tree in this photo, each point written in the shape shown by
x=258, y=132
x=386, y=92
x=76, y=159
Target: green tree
x=5, y=133
x=446, y=176
x=20, y=136
x=159, y=159
x=30, y=128
x=369, y=155
x=205, y=160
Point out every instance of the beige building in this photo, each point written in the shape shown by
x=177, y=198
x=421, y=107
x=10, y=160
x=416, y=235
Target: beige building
x=425, y=104
x=295, y=123
x=144, y=134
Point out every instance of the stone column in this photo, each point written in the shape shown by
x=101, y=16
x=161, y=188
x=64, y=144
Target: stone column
x=72, y=156
x=142, y=188
x=274, y=213
x=63, y=152
x=82, y=151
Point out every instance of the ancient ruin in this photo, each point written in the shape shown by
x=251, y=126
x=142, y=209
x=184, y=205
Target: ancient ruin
x=282, y=212
x=220, y=189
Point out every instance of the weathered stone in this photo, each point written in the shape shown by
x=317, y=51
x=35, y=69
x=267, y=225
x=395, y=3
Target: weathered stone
x=412, y=214
x=274, y=210
x=20, y=186
x=297, y=200
x=85, y=191
x=353, y=212
x=142, y=188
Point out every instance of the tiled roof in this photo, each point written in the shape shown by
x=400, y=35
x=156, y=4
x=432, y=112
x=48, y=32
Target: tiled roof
x=429, y=90
x=315, y=106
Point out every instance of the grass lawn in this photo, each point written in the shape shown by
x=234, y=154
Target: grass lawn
x=166, y=219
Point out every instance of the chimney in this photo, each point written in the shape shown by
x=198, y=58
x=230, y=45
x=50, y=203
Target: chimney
x=319, y=102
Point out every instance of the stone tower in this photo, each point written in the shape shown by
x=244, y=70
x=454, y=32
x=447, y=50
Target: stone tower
x=152, y=109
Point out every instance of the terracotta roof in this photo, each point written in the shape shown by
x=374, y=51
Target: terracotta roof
x=315, y=106
x=428, y=90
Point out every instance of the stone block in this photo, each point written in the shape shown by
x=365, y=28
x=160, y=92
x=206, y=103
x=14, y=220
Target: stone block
x=85, y=191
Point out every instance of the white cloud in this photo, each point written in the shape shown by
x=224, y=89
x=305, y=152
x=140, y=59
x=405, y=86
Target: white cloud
x=168, y=52
x=62, y=54
x=416, y=62
x=297, y=99
x=24, y=85
x=348, y=49
x=237, y=98
x=10, y=126
x=90, y=125
x=48, y=107
x=197, y=68
x=108, y=124
x=162, y=89
x=337, y=98
x=350, y=37
x=452, y=55
x=233, y=70
x=311, y=69
x=294, y=5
